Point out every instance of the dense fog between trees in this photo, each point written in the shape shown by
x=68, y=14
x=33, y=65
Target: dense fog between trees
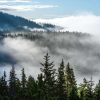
x=27, y=50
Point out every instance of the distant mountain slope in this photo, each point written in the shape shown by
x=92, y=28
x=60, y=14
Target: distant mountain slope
x=11, y=23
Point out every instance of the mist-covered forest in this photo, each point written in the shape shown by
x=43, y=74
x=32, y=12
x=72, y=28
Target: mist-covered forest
x=27, y=49
x=25, y=75
x=29, y=77
x=49, y=50
x=51, y=84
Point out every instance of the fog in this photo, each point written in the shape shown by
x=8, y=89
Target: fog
x=81, y=50
x=88, y=23
x=22, y=53
x=86, y=55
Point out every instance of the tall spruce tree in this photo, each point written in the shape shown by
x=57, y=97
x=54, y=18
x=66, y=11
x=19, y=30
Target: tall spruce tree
x=97, y=91
x=41, y=88
x=3, y=87
x=48, y=77
x=23, y=84
x=23, y=80
x=47, y=86
x=61, y=83
x=90, y=89
x=85, y=90
x=32, y=93
x=71, y=83
x=5, y=92
x=18, y=89
x=12, y=84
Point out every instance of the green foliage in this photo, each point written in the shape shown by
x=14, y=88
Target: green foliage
x=32, y=88
x=97, y=91
x=41, y=87
x=12, y=83
x=23, y=81
x=49, y=85
x=48, y=76
x=85, y=90
x=61, y=83
x=71, y=83
x=3, y=87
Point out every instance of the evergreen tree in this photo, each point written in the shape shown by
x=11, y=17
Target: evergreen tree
x=12, y=84
x=3, y=87
x=31, y=89
x=41, y=87
x=48, y=77
x=61, y=83
x=90, y=89
x=82, y=90
x=47, y=86
x=23, y=84
x=18, y=89
x=71, y=83
x=85, y=90
x=23, y=80
x=5, y=92
x=97, y=92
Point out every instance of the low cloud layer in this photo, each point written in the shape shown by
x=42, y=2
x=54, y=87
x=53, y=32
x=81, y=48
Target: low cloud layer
x=22, y=53
x=81, y=51
x=88, y=23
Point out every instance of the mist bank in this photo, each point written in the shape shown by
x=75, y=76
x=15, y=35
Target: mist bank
x=86, y=23
x=28, y=50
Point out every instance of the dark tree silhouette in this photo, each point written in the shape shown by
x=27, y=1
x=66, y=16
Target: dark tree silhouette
x=61, y=83
x=48, y=86
x=48, y=77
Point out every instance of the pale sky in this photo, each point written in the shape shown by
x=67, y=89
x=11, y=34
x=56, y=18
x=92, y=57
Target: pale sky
x=34, y=9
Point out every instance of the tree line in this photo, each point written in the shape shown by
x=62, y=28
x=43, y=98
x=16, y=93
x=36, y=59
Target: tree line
x=51, y=84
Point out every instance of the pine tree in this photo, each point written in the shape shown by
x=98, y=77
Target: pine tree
x=18, y=89
x=23, y=80
x=61, y=83
x=12, y=84
x=82, y=90
x=48, y=86
x=5, y=92
x=41, y=87
x=49, y=77
x=32, y=93
x=23, y=84
x=85, y=90
x=97, y=91
x=3, y=87
x=71, y=83
x=90, y=89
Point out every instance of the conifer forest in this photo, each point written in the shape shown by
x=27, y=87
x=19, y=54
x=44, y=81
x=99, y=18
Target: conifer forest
x=51, y=84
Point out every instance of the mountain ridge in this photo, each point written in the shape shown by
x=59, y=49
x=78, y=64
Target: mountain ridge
x=10, y=22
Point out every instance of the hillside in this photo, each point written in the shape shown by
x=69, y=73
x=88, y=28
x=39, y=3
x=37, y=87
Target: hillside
x=15, y=23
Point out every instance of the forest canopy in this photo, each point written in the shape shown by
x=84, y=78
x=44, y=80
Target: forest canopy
x=51, y=84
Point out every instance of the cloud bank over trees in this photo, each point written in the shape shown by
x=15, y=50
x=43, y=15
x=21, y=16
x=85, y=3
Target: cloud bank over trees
x=88, y=23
